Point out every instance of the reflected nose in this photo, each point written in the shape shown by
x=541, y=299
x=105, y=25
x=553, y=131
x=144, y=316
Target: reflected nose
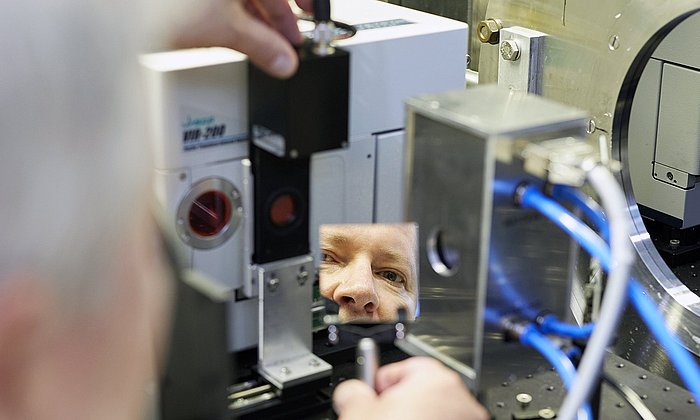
x=356, y=291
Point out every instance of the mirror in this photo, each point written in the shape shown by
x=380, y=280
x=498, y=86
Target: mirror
x=370, y=271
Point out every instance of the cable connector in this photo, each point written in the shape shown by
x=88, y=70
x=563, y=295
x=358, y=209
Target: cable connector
x=559, y=161
x=512, y=328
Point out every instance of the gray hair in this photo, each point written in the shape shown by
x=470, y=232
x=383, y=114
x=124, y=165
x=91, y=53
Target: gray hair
x=74, y=162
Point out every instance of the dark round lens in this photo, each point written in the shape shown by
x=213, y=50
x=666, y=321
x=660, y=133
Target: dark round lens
x=283, y=211
x=210, y=213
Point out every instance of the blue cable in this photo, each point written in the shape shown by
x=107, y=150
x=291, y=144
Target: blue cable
x=531, y=197
x=587, y=205
x=550, y=324
x=680, y=358
x=564, y=367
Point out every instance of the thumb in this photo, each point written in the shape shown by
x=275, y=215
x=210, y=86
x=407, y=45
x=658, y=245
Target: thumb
x=351, y=395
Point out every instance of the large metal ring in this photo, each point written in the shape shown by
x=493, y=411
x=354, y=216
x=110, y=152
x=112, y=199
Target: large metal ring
x=194, y=204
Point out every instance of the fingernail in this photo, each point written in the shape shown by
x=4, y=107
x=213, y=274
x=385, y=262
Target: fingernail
x=282, y=66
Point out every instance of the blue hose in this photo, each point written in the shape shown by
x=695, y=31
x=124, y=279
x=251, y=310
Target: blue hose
x=531, y=197
x=588, y=206
x=564, y=367
x=680, y=358
x=549, y=324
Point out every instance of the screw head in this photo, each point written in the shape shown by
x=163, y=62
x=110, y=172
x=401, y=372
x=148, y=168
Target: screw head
x=591, y=126
x=273, y=283
x=510, y=51
x=523, y=399
x=302, y=276
x=614, y=42
x=546, y=413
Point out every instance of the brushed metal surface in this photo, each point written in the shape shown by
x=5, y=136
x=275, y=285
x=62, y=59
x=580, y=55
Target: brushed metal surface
x=508, y=261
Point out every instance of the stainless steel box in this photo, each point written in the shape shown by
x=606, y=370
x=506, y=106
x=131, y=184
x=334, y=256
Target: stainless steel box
x=480, y=254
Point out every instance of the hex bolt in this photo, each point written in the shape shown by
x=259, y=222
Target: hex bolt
x=523, y=399
x=314, y=363
x=674, y=243
x=285, y=371
x=273, y=283
x=510, y=51
x=488, y=31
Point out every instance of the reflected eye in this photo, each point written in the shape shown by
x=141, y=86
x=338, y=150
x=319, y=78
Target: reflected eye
x=391, y=276
x=328, y=258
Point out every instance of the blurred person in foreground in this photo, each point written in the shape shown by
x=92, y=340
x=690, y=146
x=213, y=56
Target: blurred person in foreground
x=84, y=293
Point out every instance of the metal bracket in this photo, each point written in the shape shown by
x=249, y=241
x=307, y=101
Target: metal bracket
x=519, y=60
x=673, y=176
x=284, y=347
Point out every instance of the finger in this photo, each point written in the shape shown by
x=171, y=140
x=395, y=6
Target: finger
x=282, y=18
x=263, y=45
x=390, y=375
x=228, y=24
x=351, y=394
x=306, y=5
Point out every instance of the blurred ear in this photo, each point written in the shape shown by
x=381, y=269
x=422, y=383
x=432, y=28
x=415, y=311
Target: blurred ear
x=23, y=306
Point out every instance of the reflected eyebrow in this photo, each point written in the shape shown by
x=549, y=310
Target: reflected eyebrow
x=394, y=257
x=335, y=240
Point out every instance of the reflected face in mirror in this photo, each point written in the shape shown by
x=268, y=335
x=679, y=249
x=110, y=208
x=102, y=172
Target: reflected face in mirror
x=370, y=271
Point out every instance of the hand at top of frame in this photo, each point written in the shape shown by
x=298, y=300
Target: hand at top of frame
x=415, y=388
x=263, y=29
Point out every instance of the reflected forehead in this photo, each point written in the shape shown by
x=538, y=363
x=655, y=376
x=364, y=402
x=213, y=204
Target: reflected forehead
x=395, y=242
x=393, y=236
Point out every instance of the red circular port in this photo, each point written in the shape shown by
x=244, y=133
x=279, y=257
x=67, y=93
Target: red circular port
x=283, y=211
x=210, y=213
